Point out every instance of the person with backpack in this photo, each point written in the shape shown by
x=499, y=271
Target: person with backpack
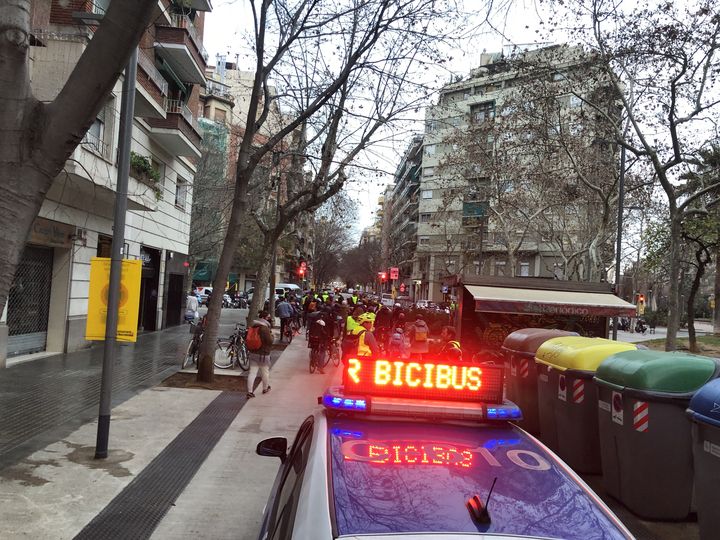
x=419, y=333
x=397, y=345
x=259, y=342
x=360, y=341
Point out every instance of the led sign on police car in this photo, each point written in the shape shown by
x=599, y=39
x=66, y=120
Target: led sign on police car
x=426, y=379
x=408, y=453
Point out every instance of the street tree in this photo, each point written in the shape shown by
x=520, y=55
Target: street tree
x=39, y=137
x=343, y=71
x=331, y=237
x=660, y=58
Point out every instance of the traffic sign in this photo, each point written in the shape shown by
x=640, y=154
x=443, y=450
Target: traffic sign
x=402, y=287
x=394, y=273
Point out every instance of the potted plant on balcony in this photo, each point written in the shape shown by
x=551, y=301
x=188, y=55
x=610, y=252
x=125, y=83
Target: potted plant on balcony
x=142, y=170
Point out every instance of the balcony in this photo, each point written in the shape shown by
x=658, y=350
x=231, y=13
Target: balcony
x=151, y=91
x=219, y=90
x=179, y=133
x=180, y=46
x=201, y=5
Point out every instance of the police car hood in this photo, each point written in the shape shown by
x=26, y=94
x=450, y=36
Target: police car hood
x=437, y=536
x=404, y=477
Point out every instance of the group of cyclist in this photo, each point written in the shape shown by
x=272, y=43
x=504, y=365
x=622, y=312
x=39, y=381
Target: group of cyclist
x=366, y=328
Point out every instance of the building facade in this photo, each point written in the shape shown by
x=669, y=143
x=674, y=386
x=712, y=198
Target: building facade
x=48, y=302
x=491, y=210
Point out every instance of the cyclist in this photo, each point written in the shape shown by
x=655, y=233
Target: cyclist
x=319, y=338
x=450, y=347
x=285, y=311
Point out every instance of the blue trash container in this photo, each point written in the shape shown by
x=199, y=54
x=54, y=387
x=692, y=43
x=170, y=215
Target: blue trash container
x=704, y=411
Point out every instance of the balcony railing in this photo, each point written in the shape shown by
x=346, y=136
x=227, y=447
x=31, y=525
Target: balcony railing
x=218, y=89
x=152, y=72
x=183, y=21
x=91, y=142
x=175, y=106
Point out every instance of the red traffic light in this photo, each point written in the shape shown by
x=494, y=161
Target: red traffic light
x=383, y=275
x=641, y=298
x=301, y=271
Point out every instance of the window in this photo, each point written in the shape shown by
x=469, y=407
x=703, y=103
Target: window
x=481, y=112
x=524, y=269
x=429, y=171
x=100, y=6
x=430, y=149
x=181, y=187
x=476, y=264
x=220, y=115
x=426, y=194
x=424, y=240
x=425, y=218
x=286, y=499
x=500, y=268
x=430, y=126
x=104, y=246
x=96, y=133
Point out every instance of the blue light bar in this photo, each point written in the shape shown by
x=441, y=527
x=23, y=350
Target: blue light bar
x=344, y=403
x=504, y=412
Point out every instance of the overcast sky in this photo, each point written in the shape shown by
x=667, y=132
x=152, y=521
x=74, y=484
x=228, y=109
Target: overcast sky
x=230, y=21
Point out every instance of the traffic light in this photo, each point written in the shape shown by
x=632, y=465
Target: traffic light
x=641, y=304
x=383, y=276
x=301, y=271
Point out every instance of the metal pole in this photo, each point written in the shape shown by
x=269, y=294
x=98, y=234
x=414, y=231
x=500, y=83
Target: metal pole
x=618, y=247
x=126, y=124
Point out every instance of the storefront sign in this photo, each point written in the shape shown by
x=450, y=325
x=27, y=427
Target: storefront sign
x=98, y=298
x=45, y=232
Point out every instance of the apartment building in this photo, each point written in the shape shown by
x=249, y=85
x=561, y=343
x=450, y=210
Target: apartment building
x=48, y=302
x=449, y=209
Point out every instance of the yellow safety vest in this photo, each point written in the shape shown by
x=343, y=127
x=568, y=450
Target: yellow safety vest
x=351, y=324
x=363, y=350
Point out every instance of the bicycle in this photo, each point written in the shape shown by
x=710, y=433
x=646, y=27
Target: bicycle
x=335, y=351
x=233, y=351
x=192, y=353
x=318, y=356
x=288, y=332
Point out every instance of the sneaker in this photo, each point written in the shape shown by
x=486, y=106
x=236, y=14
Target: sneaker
x=250, y=395
x=266, y=390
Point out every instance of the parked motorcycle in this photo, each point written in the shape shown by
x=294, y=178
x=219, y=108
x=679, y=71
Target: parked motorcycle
x=641, y=326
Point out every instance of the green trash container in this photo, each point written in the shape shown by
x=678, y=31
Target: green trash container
x=519, y=349
x=704, y=411
x=645, y=441
x=567, y=397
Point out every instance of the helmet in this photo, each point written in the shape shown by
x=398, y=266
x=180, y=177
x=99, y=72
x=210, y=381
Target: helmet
x=366, y=317
x=320, y=322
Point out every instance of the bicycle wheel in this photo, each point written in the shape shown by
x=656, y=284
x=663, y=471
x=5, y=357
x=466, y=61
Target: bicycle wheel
x=289, y=333
x=190, y=355
x=243, y=356
x=323, y=358
x=335, y=354
x=224, y=355
x=313, y=359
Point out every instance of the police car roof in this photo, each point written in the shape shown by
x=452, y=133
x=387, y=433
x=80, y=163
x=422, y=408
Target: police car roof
x=395, y=476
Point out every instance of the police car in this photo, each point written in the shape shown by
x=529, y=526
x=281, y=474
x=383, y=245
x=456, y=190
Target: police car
x=424, y=450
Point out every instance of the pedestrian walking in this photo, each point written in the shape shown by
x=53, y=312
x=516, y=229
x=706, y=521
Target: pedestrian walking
x=260, y=357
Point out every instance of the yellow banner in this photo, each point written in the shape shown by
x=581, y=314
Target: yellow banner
x=128, y=305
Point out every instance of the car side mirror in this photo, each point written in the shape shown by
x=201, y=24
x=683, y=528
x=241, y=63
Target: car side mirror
x=273, y=447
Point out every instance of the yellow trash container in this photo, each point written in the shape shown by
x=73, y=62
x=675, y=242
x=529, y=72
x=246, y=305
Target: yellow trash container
x=567, y=397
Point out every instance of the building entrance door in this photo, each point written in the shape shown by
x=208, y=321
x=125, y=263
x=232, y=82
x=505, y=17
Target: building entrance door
x=29, y=302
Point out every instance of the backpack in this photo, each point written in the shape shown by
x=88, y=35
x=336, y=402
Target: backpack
x=253, y=340
x=421, y=332
x=350, y=344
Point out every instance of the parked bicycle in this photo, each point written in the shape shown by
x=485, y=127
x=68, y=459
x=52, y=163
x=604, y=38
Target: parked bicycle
x=192, y=353
x=233, y=352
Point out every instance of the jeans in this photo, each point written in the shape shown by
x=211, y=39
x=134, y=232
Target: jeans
x=259, y=362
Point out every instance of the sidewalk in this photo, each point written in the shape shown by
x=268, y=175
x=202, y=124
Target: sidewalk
x=56, y=491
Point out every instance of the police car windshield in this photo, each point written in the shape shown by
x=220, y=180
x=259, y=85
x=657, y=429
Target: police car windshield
x=407, y=477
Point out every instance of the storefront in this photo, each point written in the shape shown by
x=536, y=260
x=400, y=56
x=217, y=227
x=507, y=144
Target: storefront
x=492, y=308
x=176, y=287
x=149, y=289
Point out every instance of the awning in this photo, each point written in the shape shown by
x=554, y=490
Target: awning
x=544, y=302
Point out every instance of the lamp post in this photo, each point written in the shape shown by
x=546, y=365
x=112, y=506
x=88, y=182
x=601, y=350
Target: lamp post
x=618, y=247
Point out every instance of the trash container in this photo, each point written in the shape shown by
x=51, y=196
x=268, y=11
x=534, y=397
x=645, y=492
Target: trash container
x=645, y=439
x=704, y=411
x=519, y=349
x=567, y=397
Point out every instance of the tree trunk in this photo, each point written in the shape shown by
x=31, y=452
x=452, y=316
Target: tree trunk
x=261, y=281
x=702, y=262
x=674, y=290
x=206, y=369
x=716, y=310
x=273, y=274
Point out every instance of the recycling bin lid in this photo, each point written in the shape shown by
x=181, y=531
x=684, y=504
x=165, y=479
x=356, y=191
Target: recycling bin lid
x=529, y=339
x=657, y=371
x=578, y=353
x=705, y=404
